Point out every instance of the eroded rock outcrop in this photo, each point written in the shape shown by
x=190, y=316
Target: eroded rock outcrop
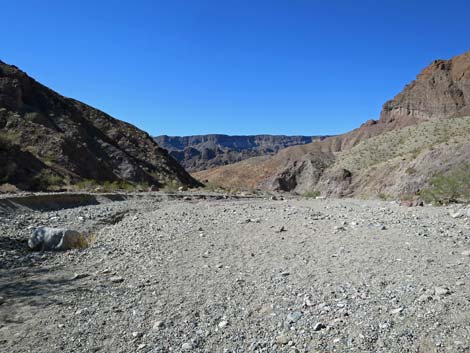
x=69, y=141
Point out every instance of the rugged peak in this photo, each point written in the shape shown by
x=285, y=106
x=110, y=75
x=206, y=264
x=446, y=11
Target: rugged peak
x=66, y=141
x=441, y=90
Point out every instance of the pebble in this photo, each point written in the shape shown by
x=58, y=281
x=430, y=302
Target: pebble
x=294, y=317
x=396, y=311
x=116, y=279
x=187, y=346
x=158, y=324
x=222, y=324
x=79, y=276
x=282, y=339
x=318, y=326
x=441, y=291
x=466, y=253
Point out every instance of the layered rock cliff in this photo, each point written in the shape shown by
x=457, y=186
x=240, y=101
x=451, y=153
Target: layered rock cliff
x=420, y=132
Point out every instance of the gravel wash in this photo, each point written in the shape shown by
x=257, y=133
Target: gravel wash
x=251, y=275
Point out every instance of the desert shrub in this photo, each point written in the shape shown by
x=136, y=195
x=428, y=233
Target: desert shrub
x=171, y=186
x=121, y=185
x=311, y=194
x=450, y=187
x=47, y=181
x=384, y=196
x=87, y=185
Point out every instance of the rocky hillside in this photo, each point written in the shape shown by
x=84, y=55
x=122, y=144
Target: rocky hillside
x=48, y=141
x=421, y=132
x=207, y=151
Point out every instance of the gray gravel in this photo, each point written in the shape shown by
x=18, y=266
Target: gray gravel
x=239, y=276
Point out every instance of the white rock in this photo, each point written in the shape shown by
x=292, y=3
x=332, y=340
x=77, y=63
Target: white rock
x=47, y=239
x=222, y=324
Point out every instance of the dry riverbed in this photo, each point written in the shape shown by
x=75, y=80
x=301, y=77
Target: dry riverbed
x=250, y=275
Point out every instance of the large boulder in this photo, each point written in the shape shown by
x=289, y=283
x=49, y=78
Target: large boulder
x=56, y=239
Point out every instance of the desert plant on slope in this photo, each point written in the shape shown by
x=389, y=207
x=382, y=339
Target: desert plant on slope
x=450, y=187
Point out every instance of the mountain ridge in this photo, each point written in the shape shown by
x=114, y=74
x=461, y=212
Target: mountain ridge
x=199, y=152
x=441, y=91
x=66, y=141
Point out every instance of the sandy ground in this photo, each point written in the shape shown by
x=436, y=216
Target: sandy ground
x=251, y=275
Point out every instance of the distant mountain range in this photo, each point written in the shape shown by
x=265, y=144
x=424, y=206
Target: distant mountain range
x=422, y=132
x=48, y=141
x=201, y=152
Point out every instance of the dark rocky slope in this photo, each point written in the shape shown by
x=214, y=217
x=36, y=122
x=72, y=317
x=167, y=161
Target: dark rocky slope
x=397, y=154
x=207, y=151
x=47, y=140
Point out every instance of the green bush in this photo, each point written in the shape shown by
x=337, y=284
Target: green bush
x=312, y=194
x=450, y=187
x=48, y=181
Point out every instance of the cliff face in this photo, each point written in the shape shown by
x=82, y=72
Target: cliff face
x=70, y=141
x=391, y=155
x=441, y=90
x=207, y=151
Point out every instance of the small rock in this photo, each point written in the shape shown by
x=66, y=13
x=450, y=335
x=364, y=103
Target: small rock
x=187, y=346
x=308, y=301
x=79, y=276
x=222, y=324
x=294, y=317
x=396, y=311
x=466, y=253
x=116, y=279
x=285, y=273
x=158, y=324
x=318, y=326
x=282, y=339
x=424, y=298
x=141, y=346
x=441, y=291
x=460, y=283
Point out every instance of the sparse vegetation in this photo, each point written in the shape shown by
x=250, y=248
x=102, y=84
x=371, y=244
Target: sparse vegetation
x=47, y=180
x=311, y=194
x=384, y=196
x=450, y=187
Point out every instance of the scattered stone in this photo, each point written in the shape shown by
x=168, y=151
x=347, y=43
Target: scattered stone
x=441, y=291
x=396, y=311
x=116, y=279
x=223, y=324
x=77, y=276
x=460, y=283
x=424, y=298
x=158, y=325
x=307, y=301
x=282, y=339
x=466, y=253
x=294, y=317
x=187, y=346
x=318, y=326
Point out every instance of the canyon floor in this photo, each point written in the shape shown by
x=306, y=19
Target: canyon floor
x=208, y=274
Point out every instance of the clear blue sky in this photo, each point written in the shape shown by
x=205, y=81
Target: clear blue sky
x=182, y=67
